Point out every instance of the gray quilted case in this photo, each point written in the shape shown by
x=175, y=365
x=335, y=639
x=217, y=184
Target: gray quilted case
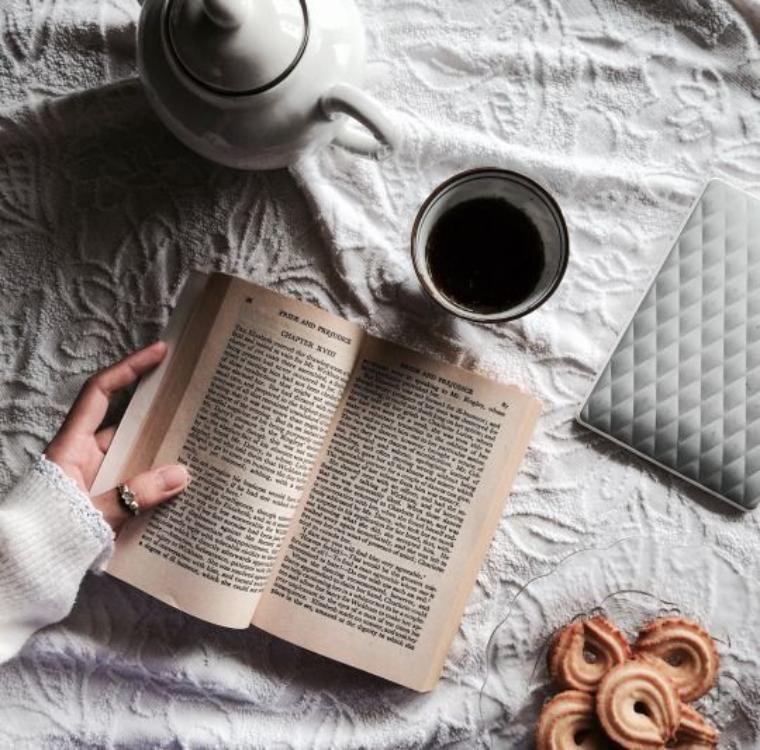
x=682, y=385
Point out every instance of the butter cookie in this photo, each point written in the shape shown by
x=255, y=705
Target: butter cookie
x=568, y=722
x=694, y=733
x=638, y=706
x=583, y=652
x=685, y=652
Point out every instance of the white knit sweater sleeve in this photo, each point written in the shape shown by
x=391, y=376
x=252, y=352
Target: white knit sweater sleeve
x=50, y=535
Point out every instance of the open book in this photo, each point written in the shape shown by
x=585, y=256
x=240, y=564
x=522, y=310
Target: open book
x=344, y=489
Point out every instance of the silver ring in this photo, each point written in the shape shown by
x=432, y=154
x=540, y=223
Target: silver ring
x=127, y=500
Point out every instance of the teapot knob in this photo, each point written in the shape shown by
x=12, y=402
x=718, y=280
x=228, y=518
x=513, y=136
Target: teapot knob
x=229, y=14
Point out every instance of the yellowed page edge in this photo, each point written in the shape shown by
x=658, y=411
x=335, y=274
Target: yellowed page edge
x=112, y=469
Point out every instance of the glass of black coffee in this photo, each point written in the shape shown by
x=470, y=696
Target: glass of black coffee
x=490, y=245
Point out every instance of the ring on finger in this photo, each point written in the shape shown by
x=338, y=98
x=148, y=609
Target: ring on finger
x=128, y=500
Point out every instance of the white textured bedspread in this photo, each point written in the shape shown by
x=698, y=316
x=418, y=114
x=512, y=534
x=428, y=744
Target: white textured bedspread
x=624, y=107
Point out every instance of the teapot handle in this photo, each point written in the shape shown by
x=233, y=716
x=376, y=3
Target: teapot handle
x=344, y=99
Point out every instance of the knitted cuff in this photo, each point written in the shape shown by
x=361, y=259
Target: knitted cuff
x=81, y=507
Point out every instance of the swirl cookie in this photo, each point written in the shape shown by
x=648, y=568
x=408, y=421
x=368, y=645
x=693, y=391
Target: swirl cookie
x=694, y=733
x=684, y=651
x=568, y=722
x=638, y=706
x=583, y=652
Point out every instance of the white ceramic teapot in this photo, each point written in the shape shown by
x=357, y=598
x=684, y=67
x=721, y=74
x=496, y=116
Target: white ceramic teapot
x=256, y=84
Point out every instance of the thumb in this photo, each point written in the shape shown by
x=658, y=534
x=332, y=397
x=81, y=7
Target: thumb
x=151, y=488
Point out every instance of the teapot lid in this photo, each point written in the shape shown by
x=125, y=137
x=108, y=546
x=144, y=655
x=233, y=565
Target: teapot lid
x=238, y=46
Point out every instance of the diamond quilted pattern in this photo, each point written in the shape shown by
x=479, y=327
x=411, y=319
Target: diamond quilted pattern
x=682, y=387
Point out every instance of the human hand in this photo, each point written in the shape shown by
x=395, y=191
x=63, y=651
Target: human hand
x=81, y=443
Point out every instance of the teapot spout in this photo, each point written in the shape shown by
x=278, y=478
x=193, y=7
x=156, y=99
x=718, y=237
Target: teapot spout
x=229, y=14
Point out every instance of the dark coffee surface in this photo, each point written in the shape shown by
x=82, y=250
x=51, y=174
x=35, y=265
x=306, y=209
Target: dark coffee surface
x=485, y=255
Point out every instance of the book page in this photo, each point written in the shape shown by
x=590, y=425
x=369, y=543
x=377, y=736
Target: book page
x=380, y=560
x=263, y=386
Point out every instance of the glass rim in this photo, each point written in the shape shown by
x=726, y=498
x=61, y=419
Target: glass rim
x=507, y=175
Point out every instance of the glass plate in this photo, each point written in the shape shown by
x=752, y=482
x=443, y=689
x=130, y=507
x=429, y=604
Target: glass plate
x=631, y=582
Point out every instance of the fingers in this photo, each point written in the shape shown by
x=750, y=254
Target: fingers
x=91, y=405
x=151, y=488
x=104, y=437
